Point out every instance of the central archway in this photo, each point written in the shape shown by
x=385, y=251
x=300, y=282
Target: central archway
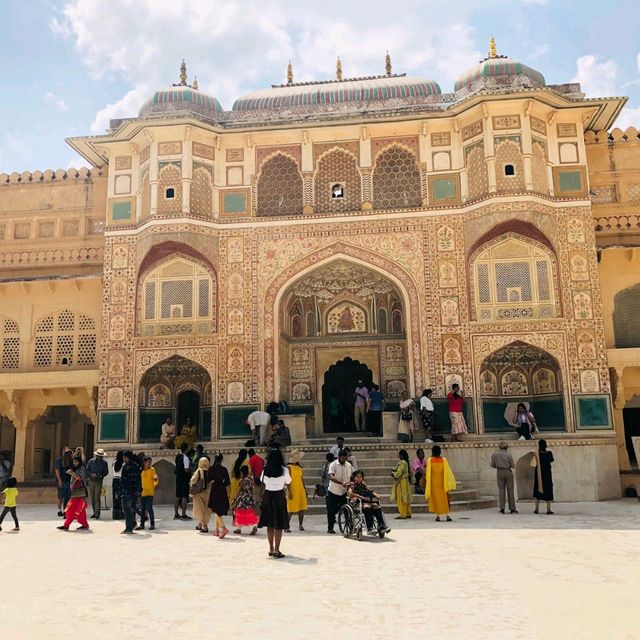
x=178, y=388
x=339, y=382
x=340, y=310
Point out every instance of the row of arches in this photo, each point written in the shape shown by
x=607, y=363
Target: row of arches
x=62, y=339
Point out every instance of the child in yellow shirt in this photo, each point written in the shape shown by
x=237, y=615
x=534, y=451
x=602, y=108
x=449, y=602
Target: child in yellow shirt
x=10, y=496
x=149, y=479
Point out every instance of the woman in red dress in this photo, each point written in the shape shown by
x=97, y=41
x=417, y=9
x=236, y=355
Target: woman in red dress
x=76, y=508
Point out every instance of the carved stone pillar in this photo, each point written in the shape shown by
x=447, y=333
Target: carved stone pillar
x=367, y=187
x=307, y=193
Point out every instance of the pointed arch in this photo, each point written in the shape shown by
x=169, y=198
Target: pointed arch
x=396, y=179
x=337, y=166
x=279, y=187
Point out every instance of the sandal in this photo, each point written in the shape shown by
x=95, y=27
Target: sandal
x=254, y=531
x=272, y=554
x=438, y=519
x=300, y=528
x=449, y=519
x=277, y=554
x=237, y=531
x=287, y=530
x=549, y=513
x=205, y=530
x=535, y=511
x=223, y=533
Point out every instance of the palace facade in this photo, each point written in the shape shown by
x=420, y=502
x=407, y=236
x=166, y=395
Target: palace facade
x=212, y=261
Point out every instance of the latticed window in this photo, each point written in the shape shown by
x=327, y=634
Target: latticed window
x=513, y=279
x=279, y=188
x=65, y=339
x=202, y=191
x=10, y=344
x=337, y=183
x=176, y=299
x=396, y=180
x=626, y=311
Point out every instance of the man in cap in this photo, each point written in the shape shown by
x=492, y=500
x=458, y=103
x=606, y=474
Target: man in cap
x=503, y=462
x=98, y=470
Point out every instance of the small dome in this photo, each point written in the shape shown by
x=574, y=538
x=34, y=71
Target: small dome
x=181, y=99
x=354, y=93
x=498, y=72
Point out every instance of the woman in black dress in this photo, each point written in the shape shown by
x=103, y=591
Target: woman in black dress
x=218, y=476
x=273, y=514
x=117, y=512
x=543, y=479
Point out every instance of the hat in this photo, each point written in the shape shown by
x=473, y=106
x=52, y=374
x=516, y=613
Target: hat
x=99, y=453
x=296, y=455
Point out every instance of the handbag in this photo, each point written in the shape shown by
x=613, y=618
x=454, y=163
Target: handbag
x=199, y=486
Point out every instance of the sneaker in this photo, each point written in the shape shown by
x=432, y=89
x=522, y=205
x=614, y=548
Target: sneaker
x=152, y=527
x=60, y=514
x=186, y=518
x=140, y=527
x=127, y=531
x=63, y=528
x=331, y=531
x=521, y=438
x=82, y=526
x=177, y=517
x=428, y=441
x=93, y=517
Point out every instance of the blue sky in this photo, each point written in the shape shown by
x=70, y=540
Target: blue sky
x=71, y=65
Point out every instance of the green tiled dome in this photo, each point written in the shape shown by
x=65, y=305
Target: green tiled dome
x=181, y=98
x=498, y=72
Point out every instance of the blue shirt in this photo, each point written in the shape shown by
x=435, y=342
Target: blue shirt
x=375, y=398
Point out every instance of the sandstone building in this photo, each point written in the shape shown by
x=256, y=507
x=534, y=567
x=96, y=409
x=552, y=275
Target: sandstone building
x=211, y=261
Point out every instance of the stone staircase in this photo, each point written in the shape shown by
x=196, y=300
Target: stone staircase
x=377, y=458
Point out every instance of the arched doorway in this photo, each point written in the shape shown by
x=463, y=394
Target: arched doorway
x=520, y=372
x=178, y=388
x=341, y=309
x=340, y=380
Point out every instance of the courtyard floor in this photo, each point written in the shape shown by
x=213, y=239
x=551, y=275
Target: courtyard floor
x=574, y=574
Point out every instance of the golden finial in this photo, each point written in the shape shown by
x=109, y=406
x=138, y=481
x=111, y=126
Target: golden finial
x=338, y=69
x=289, y=73
x=195, y=83
x=183, y=74
x=493, y=52
x=387, y=64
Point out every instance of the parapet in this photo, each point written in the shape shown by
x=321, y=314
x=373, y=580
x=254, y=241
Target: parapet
x=630, y=134
x=49, y=175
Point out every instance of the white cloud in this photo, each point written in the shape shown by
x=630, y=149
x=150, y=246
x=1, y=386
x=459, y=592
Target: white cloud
x=597, y=79
x=629, y=117
x=61, y=104
x=127, y=106
x=235, y=46
x=538, y=2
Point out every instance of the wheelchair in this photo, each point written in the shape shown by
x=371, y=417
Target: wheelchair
x=351, y=520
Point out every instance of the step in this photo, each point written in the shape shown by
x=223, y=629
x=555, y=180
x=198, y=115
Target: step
x=418, y=505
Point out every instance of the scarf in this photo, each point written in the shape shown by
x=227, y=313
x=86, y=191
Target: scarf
x=538, y=471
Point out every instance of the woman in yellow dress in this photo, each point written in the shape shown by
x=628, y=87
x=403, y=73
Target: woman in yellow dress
x=439, y=481
x=401, y=491
x=236, y=475
x=297, y=497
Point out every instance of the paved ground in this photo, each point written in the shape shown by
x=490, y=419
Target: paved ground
x=571, y=575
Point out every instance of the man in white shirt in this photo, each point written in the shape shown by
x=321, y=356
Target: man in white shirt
x=258, y=422
x=337, y=447
x=340, y=471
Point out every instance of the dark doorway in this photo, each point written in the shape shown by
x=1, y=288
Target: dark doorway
x=189, y=407
x=631, y=418
x=340, y=382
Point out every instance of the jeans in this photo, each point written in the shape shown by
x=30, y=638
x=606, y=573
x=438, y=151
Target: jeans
x=524, y=430
x=129, y=507
x=11, y=510
x=95, y=493
x=334, y=503
x=374, y=418
x=147, y=509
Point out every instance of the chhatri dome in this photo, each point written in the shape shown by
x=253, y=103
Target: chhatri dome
x=498, y=72
x=341, y=94
x=181, y=97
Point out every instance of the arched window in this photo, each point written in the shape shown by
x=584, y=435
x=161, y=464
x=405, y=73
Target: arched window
x=170, y=188
x=311, y=324
x=279, y=188
x=337, y=183
x=176, y=299
x=201, y=199
x=514, y=279
x=10, y=344
x=396, y=321
x=510, y=167
x=626, y=311
x=396, y=180
x=382, y=321
x=65, y=339
x=296, y=326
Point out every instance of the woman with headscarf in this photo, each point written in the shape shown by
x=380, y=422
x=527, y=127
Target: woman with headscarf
x=236, y=474
x=406, y=413
x=439, y=482
x=273, y=514
x=401, y=491
x=219, y=495
x=76, y=508
x=543, y=478
x=116, y=488
x=199, y=489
